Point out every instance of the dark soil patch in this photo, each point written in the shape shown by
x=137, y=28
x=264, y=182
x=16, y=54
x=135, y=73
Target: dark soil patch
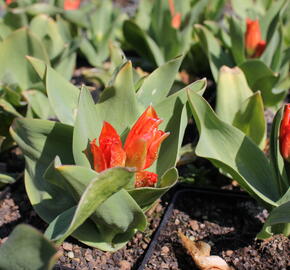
x=228, y=224
x=15, y=208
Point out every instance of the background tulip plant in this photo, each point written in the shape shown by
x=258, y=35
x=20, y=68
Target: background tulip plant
x=255, y=43
x=103, y=205
x=161, y=30
x=239, y=106
x=267, y=180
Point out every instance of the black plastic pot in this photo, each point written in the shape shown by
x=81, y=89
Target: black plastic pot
x=196, y=192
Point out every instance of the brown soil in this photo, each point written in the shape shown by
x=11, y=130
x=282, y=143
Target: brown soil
x=15, y=208
x=228, y=224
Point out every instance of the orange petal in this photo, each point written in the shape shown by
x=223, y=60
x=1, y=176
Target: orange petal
x=98, y=157
x=153, y=149
x=176, y=21
x=148, y=117
x=284, y=136
x=260, y=48
x=253, y=36
x=118, y=156
x=107, y=139
x=71, y=4
x=145, y=179
x=136, y=153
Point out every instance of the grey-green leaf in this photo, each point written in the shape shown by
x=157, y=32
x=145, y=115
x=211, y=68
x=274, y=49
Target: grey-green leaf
x=229, y=149
x=26, y=248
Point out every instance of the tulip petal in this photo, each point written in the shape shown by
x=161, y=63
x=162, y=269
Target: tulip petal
x=136, y=153
x=153, y=149
x=176, y=21
x=118, y=156
x=284, y=136
x=107, y=139
x=98, y=157
x=145, y=121
x=253, y=39
x=71, y=4
x=260, y=48
x=145, y=179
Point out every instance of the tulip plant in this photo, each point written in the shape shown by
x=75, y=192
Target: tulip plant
x=239, y=106
x=98, y=23
x=255, y=44
x=96, y=172
x=54, y=34
x=267, y=180
x=161, y=30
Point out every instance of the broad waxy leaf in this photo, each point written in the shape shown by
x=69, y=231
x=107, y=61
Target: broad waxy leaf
x=250, y=119
x=87, y=127
x=158, y=84
x=17, y=66
x=237, y=41
x=41, y=141
x=103, y=186
x=232, y=91
x=46, y=29
x=63, y=96
x=175, y=118
x=229, y=149
x=39, y=104
x=42, y=8
x=260, y=77
x=26, y=248
x=119, y=97
x=142, y=43
x=217, y=57
x=113, y=230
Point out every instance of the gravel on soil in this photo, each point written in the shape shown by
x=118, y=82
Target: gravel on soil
x=229, y=225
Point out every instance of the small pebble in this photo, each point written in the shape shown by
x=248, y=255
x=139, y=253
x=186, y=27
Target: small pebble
x=194, y=225
x=164, y=250
x=67, y=246
x=229, y=252
x=124, y=265
x=70, y=254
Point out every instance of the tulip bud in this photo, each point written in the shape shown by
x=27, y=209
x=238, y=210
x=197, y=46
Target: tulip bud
x=284, y=136
x=71, y=4
x=255, y=46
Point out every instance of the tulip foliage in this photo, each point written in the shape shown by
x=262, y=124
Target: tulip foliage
x=75, y=175
x=30, y=249
x=256, y=45
x=239, y=106
x=235, y=153
x=161, y=29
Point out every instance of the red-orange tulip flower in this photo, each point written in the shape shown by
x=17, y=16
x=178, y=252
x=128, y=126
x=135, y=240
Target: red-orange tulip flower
x=71, y=4
x=284, y=137
x=8, y=2
x=140, y=149
x=176, y=17
x=255, y=46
